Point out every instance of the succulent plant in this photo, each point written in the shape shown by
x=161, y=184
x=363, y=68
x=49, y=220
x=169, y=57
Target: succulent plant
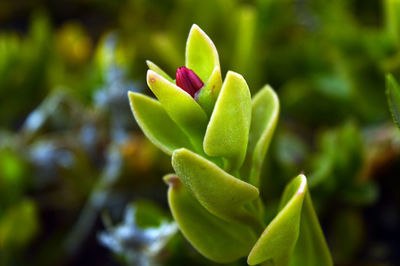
x=218, y=136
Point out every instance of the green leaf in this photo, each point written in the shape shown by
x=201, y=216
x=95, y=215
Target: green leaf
x=228, y=130
x=156, y=124
x=279, y=238
x=393, y=95
x=214, y=238
x=311, y=247
x=220, y=193
x=209, y=93
x=201, y=54
x=264, y=117
x=180, y=106
x=159, y=71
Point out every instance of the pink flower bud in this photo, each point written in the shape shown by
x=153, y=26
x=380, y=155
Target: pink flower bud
x=188, y=81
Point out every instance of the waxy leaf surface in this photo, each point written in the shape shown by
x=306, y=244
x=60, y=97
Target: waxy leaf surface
x=264, y=117
x=279, y=238
x=219, y=192
x=201, y=54
x=156, y=124
x=311, y=247
x=214, y=238
x=179, y=105
x=209, y=93
x=228, y=130
x=158, y=70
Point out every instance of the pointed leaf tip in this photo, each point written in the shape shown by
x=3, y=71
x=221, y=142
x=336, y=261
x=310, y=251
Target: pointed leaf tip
x=180, y=106
x=158, y=70
x=201, y=53
x=278, y=240
x=153, y=120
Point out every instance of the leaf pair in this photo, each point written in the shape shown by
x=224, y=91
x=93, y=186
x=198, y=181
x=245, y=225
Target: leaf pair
x=213, y=237
x=294, y=237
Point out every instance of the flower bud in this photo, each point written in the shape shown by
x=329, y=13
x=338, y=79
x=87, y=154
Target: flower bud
x=187, y=80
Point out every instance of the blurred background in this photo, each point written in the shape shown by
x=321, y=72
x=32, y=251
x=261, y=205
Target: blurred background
x=81, y=185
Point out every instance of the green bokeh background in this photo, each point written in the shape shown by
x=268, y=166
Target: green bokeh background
x=74, y=165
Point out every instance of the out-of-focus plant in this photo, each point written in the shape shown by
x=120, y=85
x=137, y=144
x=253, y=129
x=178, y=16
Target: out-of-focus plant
x=142, y=236
x=23, y=63
x=393, y=96
x=336, y=168
x=218, y=137
x=19, y=222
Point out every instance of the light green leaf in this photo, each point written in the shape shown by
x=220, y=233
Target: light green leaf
x=393, y=95
x=264, y=117
x=159, y=71
x=209, y=93
x=311, y=247
x=201, y=54
x=214, y=238
x=279, y=238
x=156, y=124
x=220, y=193
x=228, y=130
x=180, y=106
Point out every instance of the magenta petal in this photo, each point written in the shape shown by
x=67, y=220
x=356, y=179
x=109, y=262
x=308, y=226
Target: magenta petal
x=187, y=80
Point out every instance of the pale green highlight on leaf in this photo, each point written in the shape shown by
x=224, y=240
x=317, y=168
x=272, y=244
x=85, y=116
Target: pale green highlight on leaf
x=208, y=95
x=393, y=95
x=279, y=238
x=264, y=117
x=180, y=106
x=201, y=54
x=159, y=71
x=214, y=238
x=220, y=193
x=156, y=124
x=228, y=130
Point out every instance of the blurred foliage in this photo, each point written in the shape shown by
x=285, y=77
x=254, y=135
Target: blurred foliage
x=69, y=148
x=393, y=95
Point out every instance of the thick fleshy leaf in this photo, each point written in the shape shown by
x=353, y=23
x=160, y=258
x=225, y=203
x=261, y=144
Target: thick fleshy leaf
x=264, y=117
x=220, y=193
x=214, y=238
x=156, y=124
x=201, y=54
x=311, y=247
x=228, y=130
x=158, y=70
x=393, y=95
x=208, y=95
x=179, y=105
x=279, y=238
